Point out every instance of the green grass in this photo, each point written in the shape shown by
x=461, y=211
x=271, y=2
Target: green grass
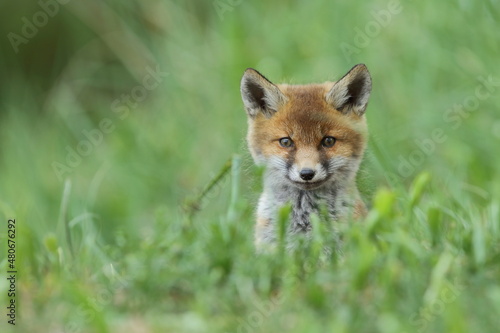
x=152, y=231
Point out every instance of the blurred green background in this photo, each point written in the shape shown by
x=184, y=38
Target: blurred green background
x=112, y=113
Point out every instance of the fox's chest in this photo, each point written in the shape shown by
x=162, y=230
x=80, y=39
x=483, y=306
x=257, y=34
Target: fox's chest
x=305, y=203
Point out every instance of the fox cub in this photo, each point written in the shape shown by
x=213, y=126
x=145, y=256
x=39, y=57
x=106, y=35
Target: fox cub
x=311, y=139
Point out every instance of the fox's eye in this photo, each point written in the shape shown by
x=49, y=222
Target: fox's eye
x=286, y=142
x=328, y=141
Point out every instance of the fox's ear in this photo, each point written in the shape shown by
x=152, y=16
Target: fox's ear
x=259, y=94
x=352, y=91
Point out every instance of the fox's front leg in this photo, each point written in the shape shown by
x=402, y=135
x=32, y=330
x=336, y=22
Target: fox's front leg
x=263, y=233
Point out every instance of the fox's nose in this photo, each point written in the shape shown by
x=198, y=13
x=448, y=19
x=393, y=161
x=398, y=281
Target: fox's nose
x=307, y=174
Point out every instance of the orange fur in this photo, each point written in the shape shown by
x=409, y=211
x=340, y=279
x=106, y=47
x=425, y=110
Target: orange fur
x=306, y=171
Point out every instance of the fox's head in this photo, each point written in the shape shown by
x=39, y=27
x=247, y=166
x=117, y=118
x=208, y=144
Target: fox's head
x=308, y=135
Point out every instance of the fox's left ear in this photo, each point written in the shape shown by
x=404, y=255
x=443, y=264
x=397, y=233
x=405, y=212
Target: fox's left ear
x=352, y=91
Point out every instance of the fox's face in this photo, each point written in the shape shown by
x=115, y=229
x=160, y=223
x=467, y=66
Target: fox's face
x=307, y=135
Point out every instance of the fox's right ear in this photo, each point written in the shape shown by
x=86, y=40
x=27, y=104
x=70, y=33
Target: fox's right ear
x=259, y=94
x=352, y=91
